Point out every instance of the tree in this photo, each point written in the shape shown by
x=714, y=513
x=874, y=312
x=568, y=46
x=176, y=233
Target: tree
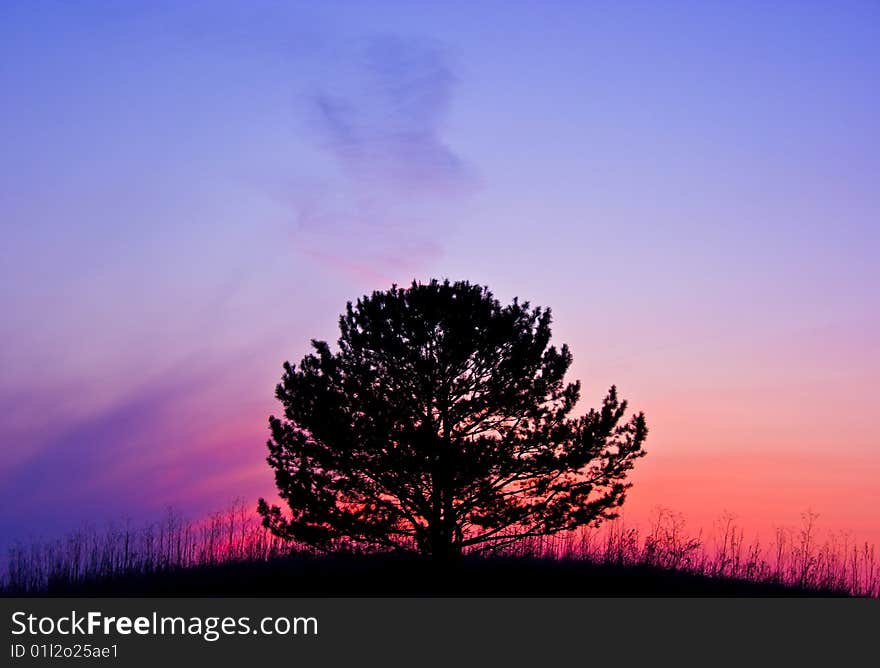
x=442, y=424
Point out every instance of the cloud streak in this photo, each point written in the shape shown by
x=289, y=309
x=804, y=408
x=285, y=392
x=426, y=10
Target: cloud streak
x=385, y=202
x=385, y=127
x=151, y=447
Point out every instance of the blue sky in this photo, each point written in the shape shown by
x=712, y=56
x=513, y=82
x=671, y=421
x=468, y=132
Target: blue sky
x=189, y=192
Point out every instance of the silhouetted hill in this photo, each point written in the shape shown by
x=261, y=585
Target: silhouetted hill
x=383, y=575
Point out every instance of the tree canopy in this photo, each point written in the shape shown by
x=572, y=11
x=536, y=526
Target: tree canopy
x=442, y=423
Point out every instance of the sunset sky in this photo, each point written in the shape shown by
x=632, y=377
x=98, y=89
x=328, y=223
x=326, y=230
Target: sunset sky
x=190, y=191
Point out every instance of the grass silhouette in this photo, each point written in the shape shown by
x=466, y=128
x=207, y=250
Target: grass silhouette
x=231, y=553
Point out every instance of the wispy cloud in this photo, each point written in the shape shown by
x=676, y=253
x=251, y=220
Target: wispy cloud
x=152, y=446
x=383, y=206
x=385, y=126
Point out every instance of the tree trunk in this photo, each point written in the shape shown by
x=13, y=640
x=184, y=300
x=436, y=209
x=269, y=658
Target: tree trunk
x=445, y=551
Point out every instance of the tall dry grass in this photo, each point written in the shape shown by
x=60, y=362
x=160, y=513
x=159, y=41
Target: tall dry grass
x=801, y=557
x=122, y=549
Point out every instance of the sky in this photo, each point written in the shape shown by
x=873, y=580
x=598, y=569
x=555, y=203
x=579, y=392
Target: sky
x=191, y=191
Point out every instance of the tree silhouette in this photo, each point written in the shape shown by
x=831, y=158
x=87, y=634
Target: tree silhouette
x=442, y=425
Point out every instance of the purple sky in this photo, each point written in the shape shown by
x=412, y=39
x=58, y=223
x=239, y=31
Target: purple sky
x=190, y=191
